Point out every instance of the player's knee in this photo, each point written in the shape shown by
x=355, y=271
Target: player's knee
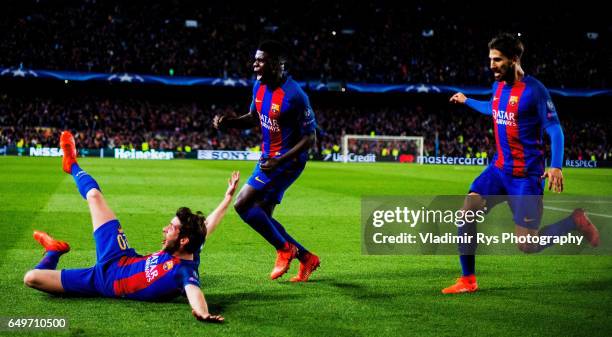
x=30, y=279
x=473, y=202
x=94, y=194
x=239, y=205
x=527, y=247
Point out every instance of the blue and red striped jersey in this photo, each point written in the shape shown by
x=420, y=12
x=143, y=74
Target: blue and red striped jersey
x=521, y=112
x=152, y=277
x=285, y=117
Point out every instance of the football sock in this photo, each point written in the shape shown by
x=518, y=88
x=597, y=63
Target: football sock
x=559, y=228
x=49, y=261
x=283, y=232
x=261, y=222
x=467, y=250
x=468, y=264
x=83, y=180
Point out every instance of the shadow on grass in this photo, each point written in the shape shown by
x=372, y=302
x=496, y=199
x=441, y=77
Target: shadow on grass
x=583, y=286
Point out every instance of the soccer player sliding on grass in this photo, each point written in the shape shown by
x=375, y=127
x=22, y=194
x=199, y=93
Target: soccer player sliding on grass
x=522, y=110
x=288, y=124
x=119, y=271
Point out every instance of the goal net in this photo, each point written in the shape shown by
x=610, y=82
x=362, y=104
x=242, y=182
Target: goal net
x=365, y=148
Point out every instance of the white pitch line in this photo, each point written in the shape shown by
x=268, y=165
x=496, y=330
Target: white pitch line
x=579, y=201
x=571, y=210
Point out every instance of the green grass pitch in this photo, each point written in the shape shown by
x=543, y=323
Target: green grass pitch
x=350, y=295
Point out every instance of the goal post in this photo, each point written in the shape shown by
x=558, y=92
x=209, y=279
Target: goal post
x=408, y=146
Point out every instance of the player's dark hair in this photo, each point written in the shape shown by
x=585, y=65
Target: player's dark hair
x=507, y=44
x=274, y=49
x=193, y=226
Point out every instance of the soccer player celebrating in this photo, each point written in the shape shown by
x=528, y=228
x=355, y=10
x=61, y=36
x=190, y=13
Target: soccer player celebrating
x=522, y=109
x=288, y=128
x=119, y=271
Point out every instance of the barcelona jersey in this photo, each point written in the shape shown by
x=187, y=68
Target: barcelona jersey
x=120, y=272
x=152, y=277
x=285, y=117
x=521, y=112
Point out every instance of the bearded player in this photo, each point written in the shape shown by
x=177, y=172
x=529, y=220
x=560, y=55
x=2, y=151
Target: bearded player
x=119, y=271
x=522, y=110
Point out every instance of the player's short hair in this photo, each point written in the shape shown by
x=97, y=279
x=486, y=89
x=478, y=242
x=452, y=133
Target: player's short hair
x=274, y=49
x=507, y=44
x=193, y=226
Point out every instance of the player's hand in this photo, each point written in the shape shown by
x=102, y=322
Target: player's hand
x=208, y=317
x=458, y=98
x=555, y=179
x=269, y=165
x=218, y=122
x=232, y=183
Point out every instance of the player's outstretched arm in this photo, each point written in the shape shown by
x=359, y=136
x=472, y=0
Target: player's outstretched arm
x=245, y=121
x=484, y=107
x=199, y=308
x=215, y=217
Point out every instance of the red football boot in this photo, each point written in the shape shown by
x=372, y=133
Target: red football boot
x=69, y=148
x=50, y=244
x=308, y=263
x=283, y=260
x=584, y=225
x=464, y=284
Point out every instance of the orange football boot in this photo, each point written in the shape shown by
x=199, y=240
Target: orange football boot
x=465, y=284
x=308, y=264
x=69, y=148
x=283, y=260
x=50, y=244
x=584, y=225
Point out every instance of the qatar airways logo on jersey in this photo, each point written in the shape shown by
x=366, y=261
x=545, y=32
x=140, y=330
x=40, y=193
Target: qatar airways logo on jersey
x=150, y=272
x=504, y=118
x=268, y=123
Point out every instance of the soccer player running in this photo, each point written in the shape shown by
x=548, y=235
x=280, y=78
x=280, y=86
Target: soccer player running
x=522, y=109
x=119, y=271
x=288, y=124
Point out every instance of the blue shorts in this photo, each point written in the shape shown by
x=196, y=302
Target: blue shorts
x=111, y=245
x=274, y=184
x=524, y=194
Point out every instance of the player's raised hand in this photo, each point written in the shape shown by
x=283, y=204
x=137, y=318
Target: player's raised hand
x=458, y=98
x=218, y=122
x=232, y=182
x=208, y=317
x=555, y=179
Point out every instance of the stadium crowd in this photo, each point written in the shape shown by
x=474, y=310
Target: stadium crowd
x=376, y=42
x=184, y=126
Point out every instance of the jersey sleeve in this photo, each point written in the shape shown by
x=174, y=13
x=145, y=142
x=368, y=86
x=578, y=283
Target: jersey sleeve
x=188, y=275
x=305, y=114
x=545, y=107
x=484, y=107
